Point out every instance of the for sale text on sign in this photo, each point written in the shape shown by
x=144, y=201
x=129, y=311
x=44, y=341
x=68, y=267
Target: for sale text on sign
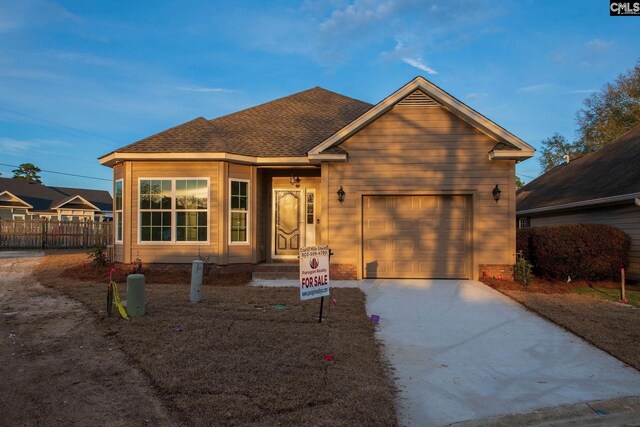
x=314, y=272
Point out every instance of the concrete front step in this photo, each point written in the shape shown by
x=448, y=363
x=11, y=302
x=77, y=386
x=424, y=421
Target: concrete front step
x=276, y=271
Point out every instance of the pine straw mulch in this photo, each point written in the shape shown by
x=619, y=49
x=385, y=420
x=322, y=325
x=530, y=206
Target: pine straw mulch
x=609, y=326
x=233, y=359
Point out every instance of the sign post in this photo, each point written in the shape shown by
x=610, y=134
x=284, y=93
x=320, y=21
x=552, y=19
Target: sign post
x=314, y=274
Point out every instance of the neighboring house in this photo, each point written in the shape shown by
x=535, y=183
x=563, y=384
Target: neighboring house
x=20, y=199
x=601, y=187
x=403, y=188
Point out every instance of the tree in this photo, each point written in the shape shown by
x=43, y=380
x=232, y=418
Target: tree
x=604, y=117
x=609, y=113
x=519, y=183
x=28, y=172
x=554, y=150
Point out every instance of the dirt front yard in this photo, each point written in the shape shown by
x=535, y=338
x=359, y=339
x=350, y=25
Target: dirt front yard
x=58, y=367
x=593, y=315
x=243, y=356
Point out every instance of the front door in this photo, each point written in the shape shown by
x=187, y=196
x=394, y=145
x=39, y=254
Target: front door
x=288, y=222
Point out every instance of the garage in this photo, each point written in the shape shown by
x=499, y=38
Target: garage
x=425, y=236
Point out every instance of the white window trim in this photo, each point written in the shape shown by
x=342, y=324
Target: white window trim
x=526, y=221
x=173, y=211
x=248, y=212
x=115, y=211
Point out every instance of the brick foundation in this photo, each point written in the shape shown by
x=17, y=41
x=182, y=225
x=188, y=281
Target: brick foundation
x=186, y=268
x=343, y=272
x=338, y=271
x=496, y=270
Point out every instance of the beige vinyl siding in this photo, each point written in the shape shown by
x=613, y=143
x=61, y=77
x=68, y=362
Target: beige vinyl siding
x=166, y=252
x=421, y=151
x=624, y=217
x=262, y=203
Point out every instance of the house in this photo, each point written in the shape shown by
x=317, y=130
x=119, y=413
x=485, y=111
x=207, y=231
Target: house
x=601, y=187
x=416, y=186
x=21, y=199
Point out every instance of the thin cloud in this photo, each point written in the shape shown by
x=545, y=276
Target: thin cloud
x=417, y=63
x=543, y=87
x=20, y=145
x=598, y=45
x=17, y=15
x=203, y=89
x=15, y=145
x=582, y=91
x=476, y=95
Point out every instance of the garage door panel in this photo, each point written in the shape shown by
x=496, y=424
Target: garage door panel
x=428, y=202
x=402, y=246
x=422, y=236
x=403, y=267
x=402, y=204
x=377, y=224
x=404, y=225
x=377, y=247
x=377, y=203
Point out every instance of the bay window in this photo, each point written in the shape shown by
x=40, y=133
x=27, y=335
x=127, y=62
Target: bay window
x=174, y=210
x=118, y=210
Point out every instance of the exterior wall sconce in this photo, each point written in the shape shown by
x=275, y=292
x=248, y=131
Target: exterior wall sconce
x=496, y=193
x=341, y=195
x=295, y=180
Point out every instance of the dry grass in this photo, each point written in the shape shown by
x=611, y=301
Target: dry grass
x=235, y=360
x=609, y=326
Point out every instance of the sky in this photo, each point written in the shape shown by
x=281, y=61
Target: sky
x=79, y=79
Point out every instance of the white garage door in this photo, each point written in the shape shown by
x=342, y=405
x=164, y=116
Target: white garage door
x=417, y=236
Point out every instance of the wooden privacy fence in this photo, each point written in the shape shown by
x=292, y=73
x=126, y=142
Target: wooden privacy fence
x=53, y=234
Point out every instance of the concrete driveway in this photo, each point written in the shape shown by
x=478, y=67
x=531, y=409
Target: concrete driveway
x=462, y=351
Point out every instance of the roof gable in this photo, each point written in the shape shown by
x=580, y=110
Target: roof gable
x=74, y=202
x=8, y=199
x=420, y=91
x=610, y=172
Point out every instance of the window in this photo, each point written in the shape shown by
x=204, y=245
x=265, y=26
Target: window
x=118, y=205
x=174, y=210
x=523, y=222
x=191, y=210
x=310, y=207
x=239, y=211
x=155, y=210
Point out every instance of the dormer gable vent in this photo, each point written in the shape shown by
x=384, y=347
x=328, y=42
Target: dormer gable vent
x=417, y=98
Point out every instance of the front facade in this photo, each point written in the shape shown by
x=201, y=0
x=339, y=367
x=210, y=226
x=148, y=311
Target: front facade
x=599, y=188
x=400, y=189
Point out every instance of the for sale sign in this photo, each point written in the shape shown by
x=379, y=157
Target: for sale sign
x=314, y=272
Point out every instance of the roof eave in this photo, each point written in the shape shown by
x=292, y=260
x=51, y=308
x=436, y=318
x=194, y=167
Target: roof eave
x=328, y=157
x=510, y=154
x=116, y=157
x=635, y=197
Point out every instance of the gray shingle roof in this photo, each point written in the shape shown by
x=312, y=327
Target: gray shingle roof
x=288, y=126
x=42, y=197
x=613, y=170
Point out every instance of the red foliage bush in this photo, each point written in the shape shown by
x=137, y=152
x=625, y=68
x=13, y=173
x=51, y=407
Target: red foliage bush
x=581, y=251
x=523, y=241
